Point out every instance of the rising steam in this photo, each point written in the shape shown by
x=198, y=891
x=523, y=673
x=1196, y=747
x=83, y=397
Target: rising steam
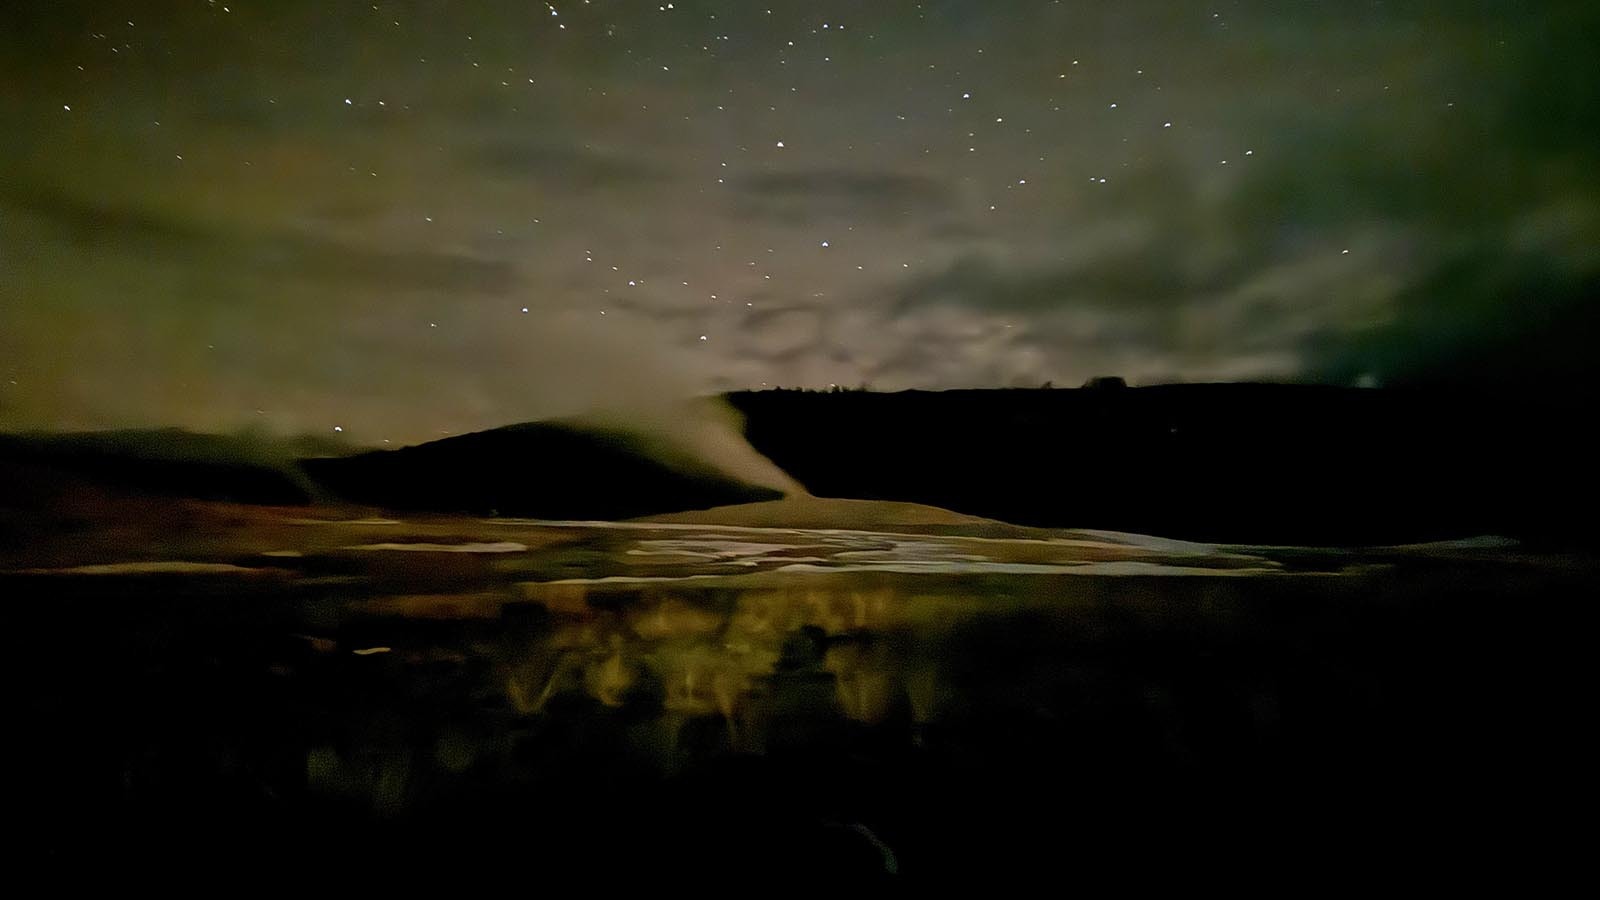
x=710, y=432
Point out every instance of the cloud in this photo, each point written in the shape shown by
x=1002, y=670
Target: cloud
x=558, y=164
x=1489, y=313
x=1152, y=275
x=259, y=253
x=777, y=334
x=799, y=196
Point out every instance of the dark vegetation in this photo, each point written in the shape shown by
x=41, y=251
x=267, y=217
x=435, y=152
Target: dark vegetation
x=1405, y=724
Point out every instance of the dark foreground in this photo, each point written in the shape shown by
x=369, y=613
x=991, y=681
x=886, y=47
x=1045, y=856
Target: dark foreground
x=438, y=717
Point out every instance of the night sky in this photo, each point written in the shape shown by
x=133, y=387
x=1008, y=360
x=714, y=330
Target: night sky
x=412, y=218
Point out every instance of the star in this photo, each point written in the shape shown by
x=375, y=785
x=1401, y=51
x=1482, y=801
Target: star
x=298, y=229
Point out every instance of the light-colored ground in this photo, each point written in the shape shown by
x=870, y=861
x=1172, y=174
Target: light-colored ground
x=805, y=511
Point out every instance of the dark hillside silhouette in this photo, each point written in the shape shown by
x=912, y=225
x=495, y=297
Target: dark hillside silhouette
x=546, y=470
x=1225, y=462
x=170, y=462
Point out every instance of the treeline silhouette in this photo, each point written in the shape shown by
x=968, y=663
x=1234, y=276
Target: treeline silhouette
x=1227, y=462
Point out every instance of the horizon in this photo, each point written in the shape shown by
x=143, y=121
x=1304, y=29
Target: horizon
x=604, y=418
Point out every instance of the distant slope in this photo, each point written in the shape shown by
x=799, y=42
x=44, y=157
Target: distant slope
x=544, y=469
x=820, y=512
x=1226, y=463
x=168, y=461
